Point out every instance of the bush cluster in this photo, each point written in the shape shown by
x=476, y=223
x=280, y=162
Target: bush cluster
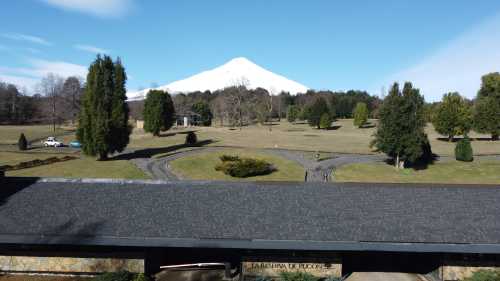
x=463, y=150
x=484, y=275
x=36, y=163
x=243, y=167
x=121, y=276
x=297, y=276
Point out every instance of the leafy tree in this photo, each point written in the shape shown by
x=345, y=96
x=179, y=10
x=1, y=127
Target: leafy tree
x=297, y=276
x=316, y=110
x=203, y=109
x=292, y=113
x=22, y=143
x=463, y=150
x=158, y=112
x=326, y=121
x=400, y=132
x=360, y=114
x=487, y=108
x=453, y=116
x=103, y=127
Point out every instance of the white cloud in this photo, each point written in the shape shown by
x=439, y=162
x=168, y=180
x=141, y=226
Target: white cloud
x=459, y=65
x=29, y=76
x=101, y=8
x=91, y=49
x=27, y=38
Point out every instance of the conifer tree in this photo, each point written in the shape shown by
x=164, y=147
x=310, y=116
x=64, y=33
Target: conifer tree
x=360, y=114
x=158, y=112
x=487, y=107
x=400, y=132
x=317, y=109
x=103, y=122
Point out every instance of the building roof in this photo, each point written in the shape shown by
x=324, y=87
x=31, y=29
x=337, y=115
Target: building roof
x=294, y=216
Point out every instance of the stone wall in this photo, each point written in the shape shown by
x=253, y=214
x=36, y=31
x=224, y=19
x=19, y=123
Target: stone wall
x=68, y=265
x=273, y=269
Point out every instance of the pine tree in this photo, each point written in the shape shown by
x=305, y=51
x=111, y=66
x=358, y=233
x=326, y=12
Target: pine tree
x=360, y=114
x=453, y=116
x=22, y=143
x=158, y=112
x=400, y=133
x=487, y=107
x=292, y=113
x=103, y=123
x=326, y=121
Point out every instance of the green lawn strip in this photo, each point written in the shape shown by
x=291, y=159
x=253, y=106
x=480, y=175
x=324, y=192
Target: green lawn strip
x=477, y=172
x=201, y=166
x=10, y=134
x=85, y=167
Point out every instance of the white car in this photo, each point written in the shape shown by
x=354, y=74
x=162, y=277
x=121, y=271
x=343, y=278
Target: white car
x=52, y=141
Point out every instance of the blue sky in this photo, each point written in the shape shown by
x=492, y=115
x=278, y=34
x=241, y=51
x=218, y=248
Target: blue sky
x=439, y=45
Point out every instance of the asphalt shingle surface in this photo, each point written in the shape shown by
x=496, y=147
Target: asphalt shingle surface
x=395, y=213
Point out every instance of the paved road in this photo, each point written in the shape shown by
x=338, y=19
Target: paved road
x=383, y=276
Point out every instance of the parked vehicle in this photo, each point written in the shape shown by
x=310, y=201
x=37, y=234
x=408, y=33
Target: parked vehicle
x=52, y=141
x=75, y=144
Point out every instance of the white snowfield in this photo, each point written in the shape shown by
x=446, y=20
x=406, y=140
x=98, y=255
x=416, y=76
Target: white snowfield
x=237, y=71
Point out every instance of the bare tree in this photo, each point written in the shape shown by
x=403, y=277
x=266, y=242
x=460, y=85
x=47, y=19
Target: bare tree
x=72, y=91
x=51, y=87
x=236, y=99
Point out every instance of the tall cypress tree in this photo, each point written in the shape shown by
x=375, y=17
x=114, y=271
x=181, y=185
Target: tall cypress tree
x=158, y=112
x=487, y=107
x=103, y=126
x=400, y=132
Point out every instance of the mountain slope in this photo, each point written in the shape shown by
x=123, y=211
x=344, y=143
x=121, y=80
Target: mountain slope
x=235, y=72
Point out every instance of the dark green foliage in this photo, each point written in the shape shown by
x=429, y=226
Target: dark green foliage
x=326, y=121
x=297, y=276
x=243, y=167
x=203, y=109
x=103, y=122
x=345, y=103
x=115, y=276
x=453, y=116
x=191, y=138
x=315, y=111
x=22, y=143
x=400, y=133
x=36, y=163
x=484, y=275
x=158, y=112
x=487, y=108
x=487, y=117
x=463, y=150
x=263, y=278
x=360, y=114
x=292, y=113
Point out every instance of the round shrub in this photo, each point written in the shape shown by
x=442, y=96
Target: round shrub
x=297, y=276
x=22, y=143
x=463, y=150
x=191, y=138
x=243, y=167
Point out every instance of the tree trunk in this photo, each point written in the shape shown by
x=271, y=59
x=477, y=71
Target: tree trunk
x=103, y=156
x=494, y=137
x=450, y=138
x=396, y=163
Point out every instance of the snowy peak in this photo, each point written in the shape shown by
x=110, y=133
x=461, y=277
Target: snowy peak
x=238, y=71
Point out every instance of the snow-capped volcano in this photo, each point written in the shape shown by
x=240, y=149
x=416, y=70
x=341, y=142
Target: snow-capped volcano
x=237, y=71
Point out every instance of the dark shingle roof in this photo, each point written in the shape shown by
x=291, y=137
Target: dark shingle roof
x=407, y=217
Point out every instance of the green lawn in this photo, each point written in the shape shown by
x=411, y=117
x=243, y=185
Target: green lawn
x=79, y=168
x=10, y=134
x=201, y=167
x=477, y=172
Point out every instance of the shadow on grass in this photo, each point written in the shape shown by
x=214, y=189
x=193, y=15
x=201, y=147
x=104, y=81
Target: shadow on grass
x=455, y=139
x=368, y=126
x=150, y=152
x=421, y=164
x=333, y=128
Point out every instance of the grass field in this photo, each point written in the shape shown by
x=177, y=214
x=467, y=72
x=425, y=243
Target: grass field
x=201, y=167
x=345, y=138
x=477, y=172
x=79, y=168
x=10, y=134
